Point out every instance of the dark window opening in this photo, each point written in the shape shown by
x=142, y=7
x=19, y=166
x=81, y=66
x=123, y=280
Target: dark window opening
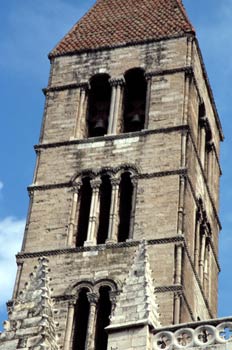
x=103, y=314
x=134, y=100
x=201, y=115
x=99, y=105
x=201, y=110
x=81, y=317
x=126, y=193
x=105, y=202
x=84, y=210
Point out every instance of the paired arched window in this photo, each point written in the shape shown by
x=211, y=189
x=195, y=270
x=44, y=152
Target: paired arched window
x=105, y=208
x=91, y=317
x=116, y=104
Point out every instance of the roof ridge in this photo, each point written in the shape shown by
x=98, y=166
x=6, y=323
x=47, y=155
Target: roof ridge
x=184, y=12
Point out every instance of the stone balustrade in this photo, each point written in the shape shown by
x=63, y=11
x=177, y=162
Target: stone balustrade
x=211, y=334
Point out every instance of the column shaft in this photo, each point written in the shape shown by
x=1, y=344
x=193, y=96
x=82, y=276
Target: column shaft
x=148, y=100
x=80, y=110
x=202, y=257
x=202, y=145
x=73, y=216
x=112, y=109
x=197, y=243
x=112, y=231
x=69, y=326
x=94, y=209
x=91, y=328
x=133, y=207
x=116, y=111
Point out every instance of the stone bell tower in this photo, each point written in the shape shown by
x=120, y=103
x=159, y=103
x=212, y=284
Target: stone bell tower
x=123, y=213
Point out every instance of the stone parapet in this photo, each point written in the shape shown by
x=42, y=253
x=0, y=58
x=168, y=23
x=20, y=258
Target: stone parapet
x=211, y=334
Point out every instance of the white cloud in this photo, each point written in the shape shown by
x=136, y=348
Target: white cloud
x=1, y=185
x=11, y=232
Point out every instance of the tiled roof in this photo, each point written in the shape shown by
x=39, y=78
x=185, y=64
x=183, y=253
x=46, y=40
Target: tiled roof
x=111, y=23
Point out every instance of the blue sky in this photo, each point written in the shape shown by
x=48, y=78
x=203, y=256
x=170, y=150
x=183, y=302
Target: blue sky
x=29, y=30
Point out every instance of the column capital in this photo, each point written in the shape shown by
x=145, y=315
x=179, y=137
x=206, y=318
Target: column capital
x=85, y=86
x=148, y=76
x=210, y=145
x=93, y=297
x=95, y=183
x=115, y=181
x=76, y=186
x=120, y=81
x=113, y=294
x=203, y=121
x=72, y=302
x=134, y=179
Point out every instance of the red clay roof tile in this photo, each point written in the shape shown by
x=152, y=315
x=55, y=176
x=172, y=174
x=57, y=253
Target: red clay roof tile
x=111, y=23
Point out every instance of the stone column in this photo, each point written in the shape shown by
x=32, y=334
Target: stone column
x=202, y=256
x=148, y=100
x=114, y=208
x=73, y=216
x=91, y=328
x=178, y=264
x=181, y=206
x=210, y=163
x=206, y=270
x=117, y=85
x=69, y=325
x=134, y=180
x=81, y=112
x=197, y=241
x=177, y=303
x=202, y=122
x=94, y=211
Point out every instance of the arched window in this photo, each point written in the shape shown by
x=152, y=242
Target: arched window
x=105, y=202
x=99, y=105
x=103, y=314
x=125, y=206
x=84, y=210
x=81, y=317
x=134, y=100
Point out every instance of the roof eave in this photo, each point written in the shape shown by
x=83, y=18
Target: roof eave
x=52, y=55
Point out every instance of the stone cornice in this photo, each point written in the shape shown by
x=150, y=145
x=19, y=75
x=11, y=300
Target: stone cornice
x=186, y=69
x=167, y=289
x=181, y=171
x=71, y=86
x=69, y=184
x=101, y=247
x=111, y=137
